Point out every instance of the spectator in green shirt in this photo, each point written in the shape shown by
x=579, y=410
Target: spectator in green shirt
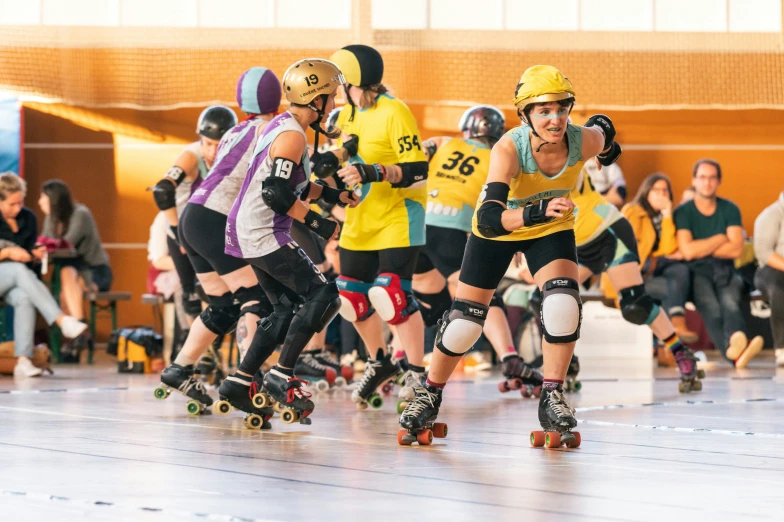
x=710, y=236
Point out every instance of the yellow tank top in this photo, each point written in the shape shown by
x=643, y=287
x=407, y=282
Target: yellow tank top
x=593, y=213
x=387, y=217
x=457, y=172
x=530, y=185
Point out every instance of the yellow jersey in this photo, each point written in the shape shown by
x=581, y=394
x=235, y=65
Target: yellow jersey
x=593, y=213
x=457, y=172
x=387, y=217
x=530, y=185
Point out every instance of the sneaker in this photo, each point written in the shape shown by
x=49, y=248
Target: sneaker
x=752, y=350
x=738, y=343
x=475, y=362
x=25, y=368
x=72, y=327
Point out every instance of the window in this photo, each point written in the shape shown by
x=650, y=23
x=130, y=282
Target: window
x=81, y=12
x=236, y=13
x=14, y=12
x=399, y=14
x=753, y=16
x=334, y=14
x=616, y=15
x=158, y=13
x=466, y=14
x=535, y=15
x=691, y=16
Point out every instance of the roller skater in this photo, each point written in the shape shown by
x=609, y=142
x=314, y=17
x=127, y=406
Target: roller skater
x=238, y=393
x=690, y=375
x=418, y=421
x=520, y=376
x=310, y=368
x=572, y=384
x=181, y=379
x=379, y=372
x=557, y=420
x=345, y=374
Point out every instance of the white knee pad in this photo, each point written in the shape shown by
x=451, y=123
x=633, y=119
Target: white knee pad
x=460, y=327
x=562, y=310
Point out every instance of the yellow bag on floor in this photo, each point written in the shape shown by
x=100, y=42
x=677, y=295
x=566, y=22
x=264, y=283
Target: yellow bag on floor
x=135, y=348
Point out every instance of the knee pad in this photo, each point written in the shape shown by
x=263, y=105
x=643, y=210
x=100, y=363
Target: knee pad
x=498, y=301
x=320, y=307
x=354, y=304
x=433, y=306
x=275, y=326
x=261, y=308
x=222, y=314
x=460, y=327
x=637, y=307
x=561, y=311
x=393, y=298
x=191, y=303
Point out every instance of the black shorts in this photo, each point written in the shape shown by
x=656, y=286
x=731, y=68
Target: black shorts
x=444, y=251
x=365, y=265
x=309, y=241
x=287, y=272
x=486, y=261
x=203, y=236
x=101, y=276
x=615, y=246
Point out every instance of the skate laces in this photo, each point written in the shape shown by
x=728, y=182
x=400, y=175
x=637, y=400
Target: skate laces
x=559, y=405
x=412, y=379
x=313, y=362
x=422, y=400
x=294, y=389
x=370, y=372
x=191, y=383
x=327, y=355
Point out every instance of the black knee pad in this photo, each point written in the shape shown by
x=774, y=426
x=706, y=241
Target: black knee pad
x=499, y=302
x=638, y=307
x=460, y=327
x=276, y=325
x=561, y=310
x=261, y=308
x=222, y=314
x=433, y=306
x=320, y=307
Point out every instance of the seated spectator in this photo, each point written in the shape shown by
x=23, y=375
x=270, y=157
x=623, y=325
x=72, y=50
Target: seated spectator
x=769, y=249
x=609, y=182
x=163, y=278
x=687, y=195
x=710, y=237
x=74, y=223
x=667, y=277
x=19, y=285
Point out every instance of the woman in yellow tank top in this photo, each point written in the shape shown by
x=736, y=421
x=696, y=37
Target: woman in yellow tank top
x=524, y=207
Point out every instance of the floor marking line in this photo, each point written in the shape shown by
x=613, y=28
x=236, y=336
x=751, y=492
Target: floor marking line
x=685, y=430
x=675, y=403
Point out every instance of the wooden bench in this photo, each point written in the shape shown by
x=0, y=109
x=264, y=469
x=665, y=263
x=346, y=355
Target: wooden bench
x=103, y=302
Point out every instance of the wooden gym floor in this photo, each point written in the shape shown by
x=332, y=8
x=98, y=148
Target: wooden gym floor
x=89, y=444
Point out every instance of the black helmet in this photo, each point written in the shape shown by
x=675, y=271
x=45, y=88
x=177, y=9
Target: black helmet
x=483, y=121
x=215, y=120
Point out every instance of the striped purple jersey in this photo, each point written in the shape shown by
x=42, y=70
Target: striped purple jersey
x=252, y=228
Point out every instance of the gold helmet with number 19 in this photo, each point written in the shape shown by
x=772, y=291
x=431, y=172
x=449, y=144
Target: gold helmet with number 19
x=309, y=79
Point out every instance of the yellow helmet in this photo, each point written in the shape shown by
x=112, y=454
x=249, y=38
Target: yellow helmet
x=540, y=84
x=309, y=78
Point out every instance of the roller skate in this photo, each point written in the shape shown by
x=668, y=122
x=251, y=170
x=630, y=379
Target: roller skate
x=377, y=374
x=210, y=366
x=557, y=420
x=409, y=381
x=180, y=378
x=418, y=421
x=572, y=384
x=690, y=375
x=520, y=376
x=345, y=373
x=292, y=401
x=237, y=392
x=311, y=369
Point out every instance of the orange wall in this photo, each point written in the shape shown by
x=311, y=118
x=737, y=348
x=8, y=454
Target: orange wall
x=111, y=181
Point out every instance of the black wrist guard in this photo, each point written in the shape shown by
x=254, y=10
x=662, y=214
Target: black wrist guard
x=534, y=214
x=612, y=155
x=351, y=145
x=323, y=227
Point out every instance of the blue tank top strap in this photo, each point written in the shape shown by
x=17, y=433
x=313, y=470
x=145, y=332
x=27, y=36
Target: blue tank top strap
x=519, y=136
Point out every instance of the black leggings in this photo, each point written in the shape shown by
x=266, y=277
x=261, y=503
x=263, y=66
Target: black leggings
x=365, y=265
x=183, y=267
x=203, y=236
x=288, y=277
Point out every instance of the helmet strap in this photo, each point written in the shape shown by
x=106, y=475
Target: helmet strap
x=350, y=102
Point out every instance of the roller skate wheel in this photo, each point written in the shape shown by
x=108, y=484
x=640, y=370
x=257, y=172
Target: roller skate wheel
x=386, y=389
x=577, y=386
x=503, y=387
x=439, y=430
x=222, y=407
x=362, y=406
x=696, y=386
x=347, y=372
x=401, y=405
x=425, y=437
x=160, y=393
x=340, y=382
x=376, y=401
x=403, y=438
x=537, y=392
x=574, y=440
x=289, y=416
x=552, y=439
x=253, y=421
x=322, y=386
x=276, y=407
x=193, y=407
x=537, y=439
x=260, y=400
x=527, y=392
x=683, y=387
x=700, y=374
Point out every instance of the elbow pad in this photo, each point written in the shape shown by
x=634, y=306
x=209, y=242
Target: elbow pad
x=414, y=173
x=164, y=194
x=277, y=195
x=606, y=124
x=611, y=157
x=488, y=220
